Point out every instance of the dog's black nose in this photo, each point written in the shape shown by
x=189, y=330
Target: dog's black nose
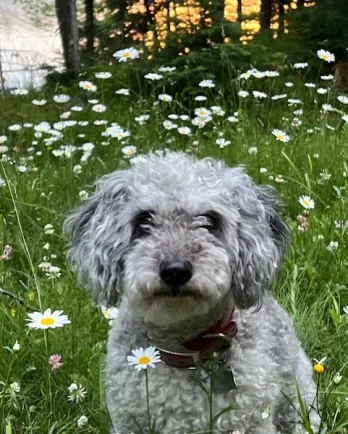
x=176, y=273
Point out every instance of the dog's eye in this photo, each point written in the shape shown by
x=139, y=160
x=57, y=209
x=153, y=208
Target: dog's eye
x=143, y=222
x=209, y=221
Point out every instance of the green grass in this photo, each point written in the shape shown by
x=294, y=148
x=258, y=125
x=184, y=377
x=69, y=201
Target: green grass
x=313, y=284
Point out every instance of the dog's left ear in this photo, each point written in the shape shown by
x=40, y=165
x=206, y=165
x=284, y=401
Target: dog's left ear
x=262, y=238
x=98, y=237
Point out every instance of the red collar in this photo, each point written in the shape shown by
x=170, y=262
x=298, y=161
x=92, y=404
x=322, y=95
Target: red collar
x=215, y=339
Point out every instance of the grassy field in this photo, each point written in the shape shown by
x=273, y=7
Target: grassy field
x=50, y=155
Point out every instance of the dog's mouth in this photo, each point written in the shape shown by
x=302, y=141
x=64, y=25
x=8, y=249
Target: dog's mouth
x=175, y=292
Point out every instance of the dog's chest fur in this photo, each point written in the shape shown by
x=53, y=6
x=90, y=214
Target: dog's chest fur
x=260, y=365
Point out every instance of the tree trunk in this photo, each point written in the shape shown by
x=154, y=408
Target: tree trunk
x=239, y=10
x=266, y=14
x=300, y=3
x=148, y=18
x=281, y=17
x=89, y=24
x=66, y=14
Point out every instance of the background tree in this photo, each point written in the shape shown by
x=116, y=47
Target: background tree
x=266, y=14
x=67, y=20
x=89, y=25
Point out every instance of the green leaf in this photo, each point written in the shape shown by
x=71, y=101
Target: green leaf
x=96, y=370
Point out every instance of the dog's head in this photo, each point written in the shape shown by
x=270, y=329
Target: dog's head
x=176, y=235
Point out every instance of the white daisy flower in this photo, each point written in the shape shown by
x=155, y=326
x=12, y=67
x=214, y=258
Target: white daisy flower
x=19, y=92
x=103, y=75
x=243, y=93
x=47, y=319
x=110, y=313
x=345, y=118
x=289, y=84
x=217, y=110
x=200, y=98
x=87, y=85
x=143, y=358
x=260, y=95
x=327, y=77
x=276, y=97
x=122, y=91
x=3, y=139
x=153, y=76
x=39, y=101
x=343, y=99
x=202, y=112
x=326, y=55
x=43, y=127
x=281, y=135
x=222, y=142
x=142, y=119
x=186, y=131
x=169, y=125
x=126, y=54
x=99, y=108
x=61, y=98
x=165, y=97
x=21, y=168
x=77, y=108
x=129, y=151
x=167, y=68
x=15, y=127
x=300, y=65
x=201, y=121
x=306, y=202
x=322, y=90
x=292, y=101
x=207, y=83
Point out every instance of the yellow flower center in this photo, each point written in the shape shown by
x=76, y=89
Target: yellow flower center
x=325, y=56
x=318, y=367
x=127, y=54
x=145, y=360
x=306, y=202
x=280, y=137
x=47, y=321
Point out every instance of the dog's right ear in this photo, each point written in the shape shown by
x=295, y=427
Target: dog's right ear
x=98, y=238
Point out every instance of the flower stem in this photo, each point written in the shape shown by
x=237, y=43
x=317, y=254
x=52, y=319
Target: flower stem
x=211, y=418
x=148, y=401
x=48, y=380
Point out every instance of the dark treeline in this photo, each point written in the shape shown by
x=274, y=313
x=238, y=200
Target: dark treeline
x=283, y=29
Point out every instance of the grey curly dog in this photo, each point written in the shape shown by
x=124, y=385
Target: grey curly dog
x=188, y=249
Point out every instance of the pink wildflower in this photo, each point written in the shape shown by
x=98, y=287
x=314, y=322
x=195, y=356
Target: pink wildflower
x=54, y=361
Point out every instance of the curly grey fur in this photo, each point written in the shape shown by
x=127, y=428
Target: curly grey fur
x=233, y=264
